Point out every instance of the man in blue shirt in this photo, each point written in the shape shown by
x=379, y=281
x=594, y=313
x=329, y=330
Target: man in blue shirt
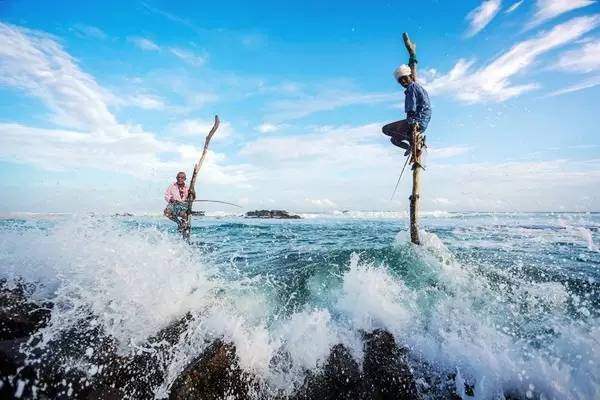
x=416, y=106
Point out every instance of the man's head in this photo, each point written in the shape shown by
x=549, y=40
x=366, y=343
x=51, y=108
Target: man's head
x=403, y=75
x=180, y=178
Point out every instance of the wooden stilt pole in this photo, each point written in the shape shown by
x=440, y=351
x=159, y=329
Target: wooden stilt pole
x=192, y=189
x=416, y=188
x=417, y=144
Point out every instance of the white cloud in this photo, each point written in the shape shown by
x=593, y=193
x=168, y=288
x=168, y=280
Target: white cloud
x=355, y=167
x=324, y=100
x=144, y=43
x=584, y=59
x=270, y=128
x=482, y=15
x=447, y=152
x=513, y=186
x=493, y=81
x=586, y=84
x=35, y=63
x=442, y=201
x=199, y=128
x=549, y=9
x=88, y=31
x=188, y=56
x=513, y=7
x=145, y=101
x=321, y=203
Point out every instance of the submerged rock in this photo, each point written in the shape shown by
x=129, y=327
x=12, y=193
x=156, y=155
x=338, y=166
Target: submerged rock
x=275, y=214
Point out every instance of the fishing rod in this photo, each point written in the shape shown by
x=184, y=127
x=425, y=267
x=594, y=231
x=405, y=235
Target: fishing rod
x=400, y=177
x=218, y=201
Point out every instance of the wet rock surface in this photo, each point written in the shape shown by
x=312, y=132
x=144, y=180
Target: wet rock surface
x=214, y=375
x=386, y=371
x=20, y=317
x=84, y=363
x=385, y=374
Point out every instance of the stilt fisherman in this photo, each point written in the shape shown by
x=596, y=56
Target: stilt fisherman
x=416, y=106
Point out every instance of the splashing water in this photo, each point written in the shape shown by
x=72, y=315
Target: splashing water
x=506, y=303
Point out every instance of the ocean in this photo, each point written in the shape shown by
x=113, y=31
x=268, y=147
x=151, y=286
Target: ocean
x=503, y=303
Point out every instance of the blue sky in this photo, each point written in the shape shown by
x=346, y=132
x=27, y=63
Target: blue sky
x=101, y=104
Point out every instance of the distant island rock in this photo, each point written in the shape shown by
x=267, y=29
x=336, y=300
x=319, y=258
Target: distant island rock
x=276, y=214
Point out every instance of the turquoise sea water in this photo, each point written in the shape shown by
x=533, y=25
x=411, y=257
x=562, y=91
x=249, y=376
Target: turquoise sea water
x=509, y=303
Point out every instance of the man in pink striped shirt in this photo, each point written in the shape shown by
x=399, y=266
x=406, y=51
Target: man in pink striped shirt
x=176, y=196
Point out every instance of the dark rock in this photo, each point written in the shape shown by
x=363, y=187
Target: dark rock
x=215, y=374
x=342, y=374
x=20, y=317
x=339, y=379
x=386, y=372
x=276, y=214
x=10, y=356
x=137, y=375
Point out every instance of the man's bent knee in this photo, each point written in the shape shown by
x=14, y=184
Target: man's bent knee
x=386, y=130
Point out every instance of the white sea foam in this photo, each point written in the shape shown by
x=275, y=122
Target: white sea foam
x=358, y=214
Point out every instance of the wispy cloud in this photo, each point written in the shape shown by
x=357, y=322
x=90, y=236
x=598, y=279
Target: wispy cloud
x=270, y=128
x=88, y=31
x=493, y=81
x=549, y=9
x=199, y=128
x=584, y=59
x=36, y=64
x=513, y=7
x=146, y=102
x=303, y=104
x=586, y=84
x=328, y=162
x=448, y=152
x=171, y=17
x=482, y=15
x=188, y=56
x=144, y=43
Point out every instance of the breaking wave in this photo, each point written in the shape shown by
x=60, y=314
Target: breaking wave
x=497, y=326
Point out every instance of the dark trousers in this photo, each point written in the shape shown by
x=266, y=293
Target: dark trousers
x=400, y=133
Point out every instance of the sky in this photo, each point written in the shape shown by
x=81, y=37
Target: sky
x=102, y=103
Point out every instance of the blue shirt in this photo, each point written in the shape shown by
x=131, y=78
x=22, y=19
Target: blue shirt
x=417, y=105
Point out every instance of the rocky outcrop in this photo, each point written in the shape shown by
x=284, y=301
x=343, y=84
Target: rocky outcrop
x=386, y=371
x=214, y=375
x=385, y=374
x=103, y=373
x=275, y=214
x=341, y=378
x=20, y=317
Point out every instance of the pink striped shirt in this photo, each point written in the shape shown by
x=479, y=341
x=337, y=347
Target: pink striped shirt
x=172, y=193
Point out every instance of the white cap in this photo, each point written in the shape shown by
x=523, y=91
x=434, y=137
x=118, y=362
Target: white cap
x=403, y=70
